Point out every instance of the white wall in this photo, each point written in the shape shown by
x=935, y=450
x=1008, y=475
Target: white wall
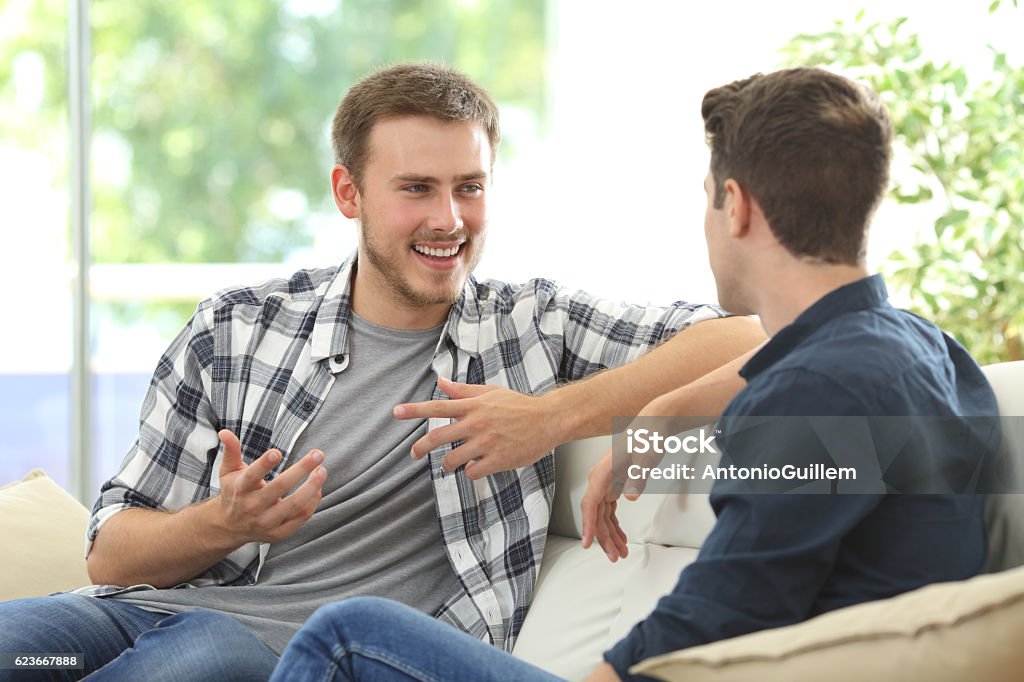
x=613, y=199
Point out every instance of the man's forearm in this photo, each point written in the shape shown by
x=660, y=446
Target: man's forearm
x=586, y=407
x=707, y=396
x=163, y=549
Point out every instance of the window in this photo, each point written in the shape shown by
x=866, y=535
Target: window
x=209, y=167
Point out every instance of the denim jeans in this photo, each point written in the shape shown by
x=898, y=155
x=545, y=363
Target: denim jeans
x=124, y=642
x=376, y=640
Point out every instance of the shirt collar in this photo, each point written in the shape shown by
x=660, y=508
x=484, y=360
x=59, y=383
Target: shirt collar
x=862, y=294
x=330, y=332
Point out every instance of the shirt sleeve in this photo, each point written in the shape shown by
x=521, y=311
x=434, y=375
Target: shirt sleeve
x=600, y=333
x=762, y=567
x=768, y=555
x=170, y=464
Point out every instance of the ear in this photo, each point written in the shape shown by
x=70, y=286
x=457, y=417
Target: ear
x=738, y=205
x=346, y=194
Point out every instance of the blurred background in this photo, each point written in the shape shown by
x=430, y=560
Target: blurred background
x=205, y=158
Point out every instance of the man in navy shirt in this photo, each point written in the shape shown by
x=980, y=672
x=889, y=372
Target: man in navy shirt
x=799, y=163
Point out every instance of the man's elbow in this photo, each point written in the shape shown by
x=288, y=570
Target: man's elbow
x=99, y=566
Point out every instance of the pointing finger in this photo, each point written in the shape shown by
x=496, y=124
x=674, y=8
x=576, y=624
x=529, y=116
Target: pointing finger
x=456, y=390
x=430, y=408
x=232, y=460
x=262, y=466
x=452, y=433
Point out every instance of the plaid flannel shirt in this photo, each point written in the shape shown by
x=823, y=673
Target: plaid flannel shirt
x=260, y=362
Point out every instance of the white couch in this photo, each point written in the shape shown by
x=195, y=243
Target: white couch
x=584, y=604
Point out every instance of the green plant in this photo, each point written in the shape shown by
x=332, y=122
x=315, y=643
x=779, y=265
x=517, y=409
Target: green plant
x=961, y=139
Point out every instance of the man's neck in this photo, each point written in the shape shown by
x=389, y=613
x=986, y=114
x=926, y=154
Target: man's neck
x=794, y=289
x=377, y=304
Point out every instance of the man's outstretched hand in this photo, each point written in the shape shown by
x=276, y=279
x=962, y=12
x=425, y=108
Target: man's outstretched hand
x=252, y=509
x=598, y=508
x=500, y=429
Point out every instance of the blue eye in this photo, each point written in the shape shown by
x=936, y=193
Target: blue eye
x=416, y=189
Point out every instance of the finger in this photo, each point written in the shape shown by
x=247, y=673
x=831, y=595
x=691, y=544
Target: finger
x=457, y=390
x=459, y=456
x=299, y=501
x=293, y=523
x=619, y=532
x=430, y=408
x=288, y=528
x=618, y=536
x=435, y=438
x=293, y=475
x=252, y=477
x=615, y=548
x=614, y=539
x=604, y=534
x=597, y=490
x=633, y=488
x=588, y=510
x=232, y=460
x=483, y=466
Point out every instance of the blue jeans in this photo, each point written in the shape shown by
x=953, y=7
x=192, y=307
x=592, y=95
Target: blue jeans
x=376, y=640
x=124, y=642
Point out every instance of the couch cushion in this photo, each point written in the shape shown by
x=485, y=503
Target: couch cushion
x=573, y=462
x=943, y=633
x=42, y=532
x=584, y=603
x=578, y=596
x=653, y=573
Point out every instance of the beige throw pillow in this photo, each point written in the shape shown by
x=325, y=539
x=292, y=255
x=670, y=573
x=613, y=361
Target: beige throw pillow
x=970, y=630
x=42, y=532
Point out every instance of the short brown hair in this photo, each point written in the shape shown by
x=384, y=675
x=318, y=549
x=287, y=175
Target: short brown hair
x=812, y=148
x=409, y=89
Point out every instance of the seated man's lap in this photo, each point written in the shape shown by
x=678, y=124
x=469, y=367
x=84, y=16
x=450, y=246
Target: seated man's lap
x=100, y=629
x=205, y=645
x=378, y=639
x=124, y=638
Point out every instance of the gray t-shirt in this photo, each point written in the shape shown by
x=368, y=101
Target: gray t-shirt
x=375, y=531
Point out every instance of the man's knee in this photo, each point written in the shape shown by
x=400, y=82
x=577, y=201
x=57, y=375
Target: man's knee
x=363, y=610
x=207, y=644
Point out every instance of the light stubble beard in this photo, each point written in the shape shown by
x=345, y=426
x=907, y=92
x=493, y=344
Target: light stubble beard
x=398, y=285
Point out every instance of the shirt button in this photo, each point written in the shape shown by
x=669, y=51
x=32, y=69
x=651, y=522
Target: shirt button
x=307, y=406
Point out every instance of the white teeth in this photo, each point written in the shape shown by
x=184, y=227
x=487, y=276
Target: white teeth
x=437, y=252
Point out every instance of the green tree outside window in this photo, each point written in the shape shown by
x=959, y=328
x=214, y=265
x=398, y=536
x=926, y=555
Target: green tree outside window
x=965, y=141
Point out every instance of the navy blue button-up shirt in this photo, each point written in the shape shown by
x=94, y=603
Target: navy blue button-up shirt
x=778, y=559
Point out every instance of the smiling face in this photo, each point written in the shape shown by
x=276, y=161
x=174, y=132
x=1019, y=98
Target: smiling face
x=422, y=211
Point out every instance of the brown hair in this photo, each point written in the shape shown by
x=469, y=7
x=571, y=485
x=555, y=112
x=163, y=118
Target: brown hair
x=409, y=89
x=812, y=148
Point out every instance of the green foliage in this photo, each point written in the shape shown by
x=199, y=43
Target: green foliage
x=210, y=118
x=963, y=138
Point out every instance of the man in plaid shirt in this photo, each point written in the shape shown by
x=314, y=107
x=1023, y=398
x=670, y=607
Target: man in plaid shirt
x=235, y=512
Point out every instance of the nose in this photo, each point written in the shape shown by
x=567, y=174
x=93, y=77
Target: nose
x=445, y=215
